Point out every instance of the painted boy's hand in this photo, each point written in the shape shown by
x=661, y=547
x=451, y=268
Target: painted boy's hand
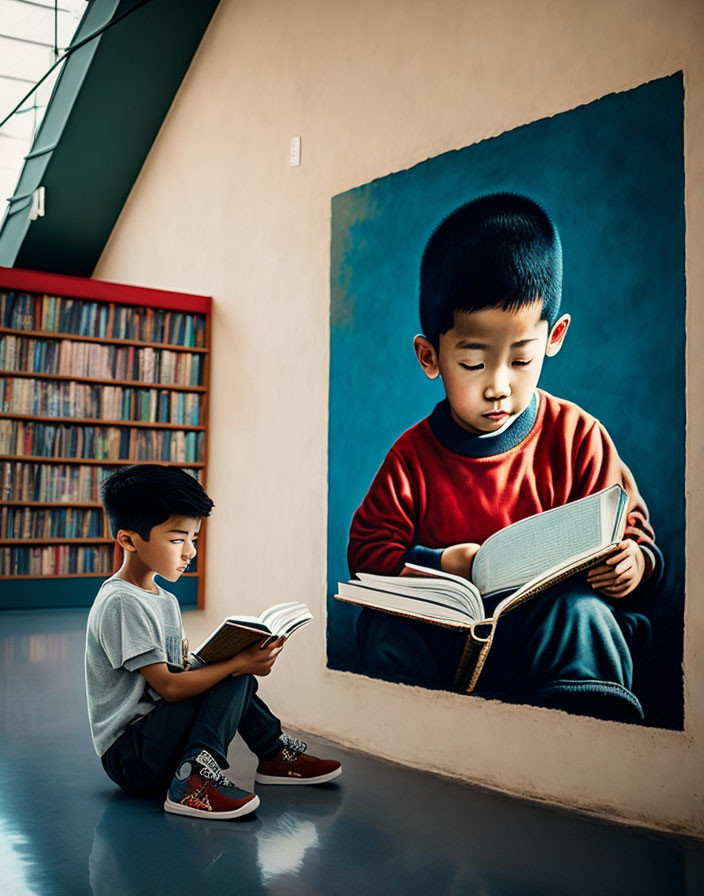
x=256, y=660
x=458, y=558
x=620, y=573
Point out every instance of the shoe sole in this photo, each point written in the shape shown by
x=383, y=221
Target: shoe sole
x=321, y=779
x=180, y=809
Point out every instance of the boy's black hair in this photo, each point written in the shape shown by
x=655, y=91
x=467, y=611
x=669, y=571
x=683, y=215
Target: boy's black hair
x=498, y=251
x=142, y=496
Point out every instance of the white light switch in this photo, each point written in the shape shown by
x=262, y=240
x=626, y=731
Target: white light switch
x=295, y=152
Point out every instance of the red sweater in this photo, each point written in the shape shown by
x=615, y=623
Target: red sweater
x=431, y=495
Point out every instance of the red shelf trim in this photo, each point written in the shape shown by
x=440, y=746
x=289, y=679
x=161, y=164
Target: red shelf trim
x=101, y=290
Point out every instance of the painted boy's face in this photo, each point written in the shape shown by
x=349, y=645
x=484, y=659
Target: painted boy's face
x=490, y=363
x=170, y=547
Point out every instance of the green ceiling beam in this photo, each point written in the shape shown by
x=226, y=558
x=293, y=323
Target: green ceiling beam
x=104, y=114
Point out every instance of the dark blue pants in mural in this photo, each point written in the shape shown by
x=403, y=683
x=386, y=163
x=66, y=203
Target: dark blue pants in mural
x=567, y=649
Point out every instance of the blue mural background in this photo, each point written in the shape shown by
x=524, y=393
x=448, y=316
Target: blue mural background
x=611, y=174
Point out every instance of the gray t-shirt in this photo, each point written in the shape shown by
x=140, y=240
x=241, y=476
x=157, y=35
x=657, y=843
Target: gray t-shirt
x=127, y=628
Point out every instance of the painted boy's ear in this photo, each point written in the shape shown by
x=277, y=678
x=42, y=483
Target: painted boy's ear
x=427, y=356
x=557, y=336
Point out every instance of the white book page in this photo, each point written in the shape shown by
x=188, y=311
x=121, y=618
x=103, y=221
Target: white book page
x=417, y=607
x=526, y=549
x=610, y=517
x=452, y=592
x=284, y=617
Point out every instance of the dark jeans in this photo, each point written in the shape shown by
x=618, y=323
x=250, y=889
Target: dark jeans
x=568, y=649
x=144, y=758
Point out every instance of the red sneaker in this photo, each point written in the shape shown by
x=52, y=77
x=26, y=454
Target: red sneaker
x=199, y=788
x=291, y=766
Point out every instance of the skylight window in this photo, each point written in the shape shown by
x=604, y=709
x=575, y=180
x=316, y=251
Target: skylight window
x=33, y=34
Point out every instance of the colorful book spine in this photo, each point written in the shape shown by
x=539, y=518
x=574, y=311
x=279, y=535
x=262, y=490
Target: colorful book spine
x=33, y=439
x=57, y=314
x=56, y=560
x=95, y=360
x=47, y=398
x=54, y=522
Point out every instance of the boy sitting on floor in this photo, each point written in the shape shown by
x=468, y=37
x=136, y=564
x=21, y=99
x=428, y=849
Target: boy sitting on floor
x=495, y=451
x=157, y=724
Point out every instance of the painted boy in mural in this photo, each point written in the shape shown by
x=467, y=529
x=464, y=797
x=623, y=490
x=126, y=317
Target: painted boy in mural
x=496, y=450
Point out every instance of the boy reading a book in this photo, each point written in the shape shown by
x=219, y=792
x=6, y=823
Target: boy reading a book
x=496, y=450
x=158, y=724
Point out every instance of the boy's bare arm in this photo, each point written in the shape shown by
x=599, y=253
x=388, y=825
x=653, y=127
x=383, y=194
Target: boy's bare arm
x=457, y=558
x=175, y=686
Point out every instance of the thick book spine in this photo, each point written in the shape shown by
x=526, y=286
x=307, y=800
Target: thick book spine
x=474, y=655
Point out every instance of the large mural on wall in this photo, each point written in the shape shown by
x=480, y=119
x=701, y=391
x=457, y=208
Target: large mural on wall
x=548, y=368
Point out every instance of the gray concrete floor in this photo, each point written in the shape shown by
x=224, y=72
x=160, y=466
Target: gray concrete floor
x=381, y=829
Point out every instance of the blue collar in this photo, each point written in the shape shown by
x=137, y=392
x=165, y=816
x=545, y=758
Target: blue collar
x=457, y=439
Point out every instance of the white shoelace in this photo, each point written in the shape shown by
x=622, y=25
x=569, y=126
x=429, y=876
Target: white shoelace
x=292, y=748
x=211, y=770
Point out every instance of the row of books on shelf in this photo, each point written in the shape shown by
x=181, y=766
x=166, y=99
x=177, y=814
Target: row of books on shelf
x=49, y=398
x=20, y=437
x=22, y=480
x=57, y=560
x=58, y=314
x=52, y=522
x=51, y=483
x=98, y=361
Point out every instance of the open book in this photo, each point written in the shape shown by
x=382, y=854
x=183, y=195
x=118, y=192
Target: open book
x=236, y=633
x=516, y=563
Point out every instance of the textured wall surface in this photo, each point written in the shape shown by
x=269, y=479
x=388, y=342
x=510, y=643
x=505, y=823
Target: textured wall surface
x=375, y=88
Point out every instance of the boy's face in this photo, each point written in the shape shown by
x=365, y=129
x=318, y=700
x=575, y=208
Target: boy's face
x=490, y=363
x=170, y=547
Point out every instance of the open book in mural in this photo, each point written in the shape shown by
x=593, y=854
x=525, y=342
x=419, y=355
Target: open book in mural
x=572, y=538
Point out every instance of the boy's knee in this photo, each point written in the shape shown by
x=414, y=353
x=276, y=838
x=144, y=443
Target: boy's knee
x=237, y=684
x=572, y=624
x=583, y=608
x=591, y=606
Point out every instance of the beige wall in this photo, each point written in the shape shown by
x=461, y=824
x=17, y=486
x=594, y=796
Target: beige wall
x=372, y=88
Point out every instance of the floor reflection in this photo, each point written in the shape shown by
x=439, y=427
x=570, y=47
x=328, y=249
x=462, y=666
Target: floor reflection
x=281, y=849
x=15, y=862
x=139, y=849
x=163, y=853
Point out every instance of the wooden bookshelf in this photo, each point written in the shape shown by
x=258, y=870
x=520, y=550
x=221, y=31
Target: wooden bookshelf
x=93, y=376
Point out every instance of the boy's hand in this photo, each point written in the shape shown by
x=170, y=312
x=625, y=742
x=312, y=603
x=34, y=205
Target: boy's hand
x=621, y=573
x=458, y=558
x=256, y=660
